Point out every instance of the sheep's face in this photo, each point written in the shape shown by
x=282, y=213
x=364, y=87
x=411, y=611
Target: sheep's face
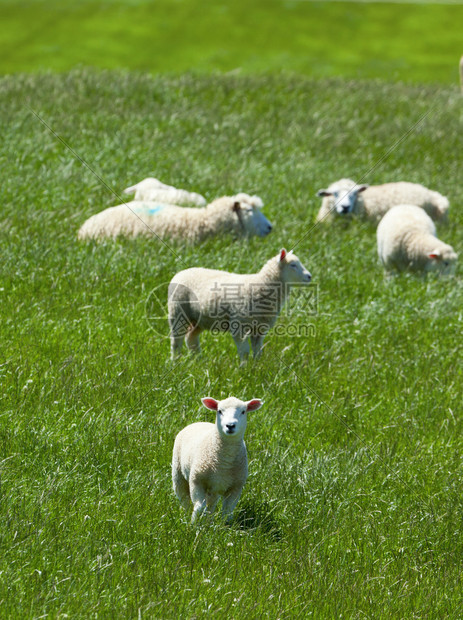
x=231, y=418
x=252, y=220
x=442, y=260
x=344, y=196
x=292, y=269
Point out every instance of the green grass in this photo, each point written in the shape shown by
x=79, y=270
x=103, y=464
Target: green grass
x=409, y=42
x=354, y=500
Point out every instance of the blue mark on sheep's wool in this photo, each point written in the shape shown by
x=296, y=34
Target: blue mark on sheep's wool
x=150, y=209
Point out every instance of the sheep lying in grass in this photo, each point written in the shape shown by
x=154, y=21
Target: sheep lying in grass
x=372, y=201
x=210, y=460
x=407, y=240
x=236, y=215
x=246, y=305
x=152, y=189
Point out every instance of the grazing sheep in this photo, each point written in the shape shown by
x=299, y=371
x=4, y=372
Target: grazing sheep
x=210, y=460
x=246, y=305
x=152, y=189
x=373, y=201
x=407, y=240
x=229, y=214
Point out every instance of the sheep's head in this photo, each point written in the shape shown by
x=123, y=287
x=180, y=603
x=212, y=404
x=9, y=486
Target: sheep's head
x=344, y=195
x=293, y=271
x=442, y=260
x=251, y=220
x=231, y=418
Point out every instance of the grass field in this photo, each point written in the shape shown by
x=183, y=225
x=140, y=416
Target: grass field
x=411, y=42
x=353, y=505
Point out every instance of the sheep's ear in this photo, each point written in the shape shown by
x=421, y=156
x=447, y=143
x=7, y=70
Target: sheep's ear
x=324, y=192
x=256, y=201
x=210, y=403
x=254, y=404
x=436, y=254
x=282, y=256
x=362, y=188
x=236, y=207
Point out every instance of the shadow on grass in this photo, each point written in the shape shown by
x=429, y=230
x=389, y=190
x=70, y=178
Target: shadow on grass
x=257, y=516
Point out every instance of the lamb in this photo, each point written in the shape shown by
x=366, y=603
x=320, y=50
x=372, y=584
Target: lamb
x=236, y=215
x=407, y=239
x=246, y=305
x=373, y=201
x=210, y=460
x=152, y=189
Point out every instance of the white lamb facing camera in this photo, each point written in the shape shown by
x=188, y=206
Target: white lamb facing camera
x=210, y=460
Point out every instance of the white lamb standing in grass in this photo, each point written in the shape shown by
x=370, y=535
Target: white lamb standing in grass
x=238, y=215
x=345, y=197
x=407, y=240
x=153, y=190
x=210, y=460
x=246, y=305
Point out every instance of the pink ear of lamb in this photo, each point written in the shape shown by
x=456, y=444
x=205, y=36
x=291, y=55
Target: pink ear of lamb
x=210, y=403
x=434, y=255
x=254, y=404
x=282, y=255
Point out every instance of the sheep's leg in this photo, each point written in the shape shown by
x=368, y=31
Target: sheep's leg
x=230, y=501
x=176, y=337
x=256, y=344
x=179, y=326
x=192, y=338
x=242, y=345
x=198, y=497
x=198, y=509
x=176, y=343
x=182, y=491
x=211, y=502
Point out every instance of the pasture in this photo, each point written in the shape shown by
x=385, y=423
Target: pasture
x=412, y=42
x=353, y=503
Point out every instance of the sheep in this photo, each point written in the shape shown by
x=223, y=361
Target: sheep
x=152, y=189
x=210, y=460
x=373, y=201
x=236, y=215
x=246, y=305
x=407, y=239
